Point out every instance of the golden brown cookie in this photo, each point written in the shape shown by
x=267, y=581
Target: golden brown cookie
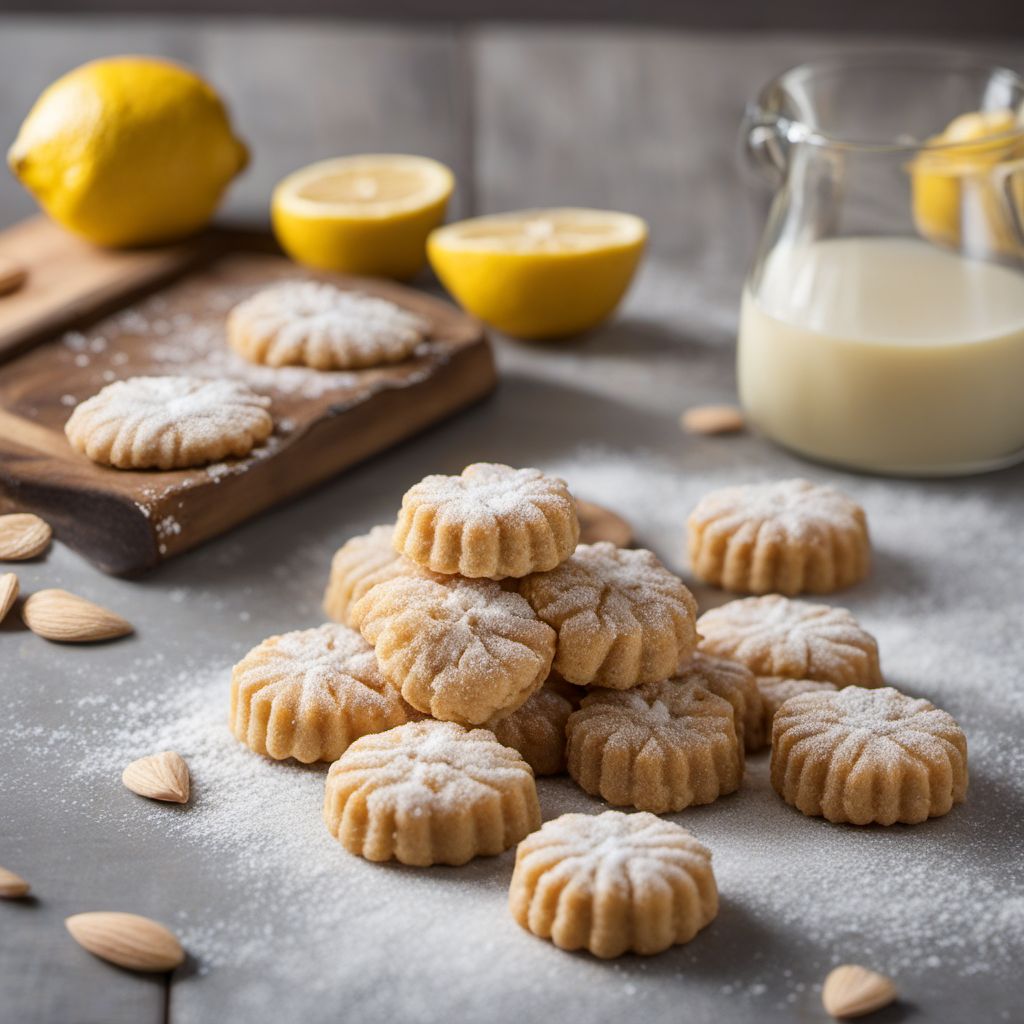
x=464, y=651
x=621, y=617
x=169, y=422
x=775, y=691
x=430, y=793
x=492, y=521
x=868, y=757
x=360, y=563
x=774, y=636
x=658, y=747
x=310, y=693
x=537, y=731
x=613, y=883
x=309, y=323
x=735, y=683
x=789, y=537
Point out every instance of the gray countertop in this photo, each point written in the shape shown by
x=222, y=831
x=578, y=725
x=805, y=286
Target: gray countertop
x=280, y=923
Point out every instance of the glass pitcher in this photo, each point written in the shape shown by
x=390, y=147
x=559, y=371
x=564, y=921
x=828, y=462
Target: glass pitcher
x=882, y=324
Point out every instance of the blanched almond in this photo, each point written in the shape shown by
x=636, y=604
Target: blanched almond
x=598, y=523
x=12, y=886
x=852, y=991
x=68, y=618
x=8, y=593
x=712, y=419
x=127, y=940
x=23, y=535
x=161, y=776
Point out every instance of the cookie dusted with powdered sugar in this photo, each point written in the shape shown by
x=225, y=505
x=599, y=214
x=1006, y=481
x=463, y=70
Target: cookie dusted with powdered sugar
x=537, y=731
x=310, y=693
x=789, y=537
x=306, y=323
x=735, y=683
x=621, y=617
x=868, y=757
x=613, y=883
x=492, y=521
x=169, y=422
x=430, y=793
x=774, y=636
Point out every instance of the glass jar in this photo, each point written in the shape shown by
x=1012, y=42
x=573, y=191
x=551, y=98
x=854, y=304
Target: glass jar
x=882, y=324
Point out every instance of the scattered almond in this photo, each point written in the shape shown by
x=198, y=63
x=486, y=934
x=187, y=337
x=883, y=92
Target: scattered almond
x=68, y=618
x=598, y=523
x=8, y=593
x=127, y=940
x=12, y=275
x=23, y=535
x=12, y=886
x=161, y=776
x=852, y=991
x=712, y=419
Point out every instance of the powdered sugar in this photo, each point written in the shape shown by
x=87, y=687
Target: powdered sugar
x=314, y=324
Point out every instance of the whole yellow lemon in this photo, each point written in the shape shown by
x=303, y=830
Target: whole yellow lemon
x=128, y=151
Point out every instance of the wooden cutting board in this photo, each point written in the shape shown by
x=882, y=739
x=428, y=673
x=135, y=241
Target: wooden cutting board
x=76, y=331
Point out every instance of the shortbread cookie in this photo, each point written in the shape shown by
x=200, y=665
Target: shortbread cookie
x=360, y=563
x=305, y=323
x=310, y=693
x=790, y=537
x=868, y=757
x=735, y=683
x=492, y=521
x=775, y=691
x=464, y=651
x=613, y=883
x=430, y=793
x=621, y=617
x=658, y=747
x=169, y=422
x=537, y=731
x=774, y=636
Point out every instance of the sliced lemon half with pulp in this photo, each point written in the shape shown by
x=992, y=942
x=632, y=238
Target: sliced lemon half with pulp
x=539, y=273
x=367, y=214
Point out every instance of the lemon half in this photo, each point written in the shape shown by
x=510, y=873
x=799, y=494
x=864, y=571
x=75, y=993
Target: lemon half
x=539, y=273
x=128, y=151
x=366, y=214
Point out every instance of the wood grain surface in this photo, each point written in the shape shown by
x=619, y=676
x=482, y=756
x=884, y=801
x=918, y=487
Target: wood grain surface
x=128, y=521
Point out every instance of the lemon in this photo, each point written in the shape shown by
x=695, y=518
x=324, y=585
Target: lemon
x=128, y=151
x=367, y=214
x=539, y=273
x=957, y=198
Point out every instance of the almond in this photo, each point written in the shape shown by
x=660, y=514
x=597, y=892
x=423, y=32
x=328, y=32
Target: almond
x=12, y=275
x=8, y=593
x=598, y=523
x=23, y=535
x=852, y=991
x=127, y=940
x=712, y=419
x=161, y=776
x=68, y=618
x=12, y=886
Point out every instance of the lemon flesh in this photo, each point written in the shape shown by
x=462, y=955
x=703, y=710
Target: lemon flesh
x=128, y=151
x=539, y=273
x=959, y=197
x=367, y=214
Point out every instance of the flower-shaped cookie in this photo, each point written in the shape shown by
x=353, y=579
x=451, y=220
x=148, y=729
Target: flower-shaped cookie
x=537, y=731
x=461, y=650
x=658, y=747
x=359, y=564
x=868, y=757
x=492, y=521
x=430, y=793
x=613, y=883
x=774, y=636
x=788, y=537
x=169, y=422
x=735, y=683
x=310, y=693
x=307, y=323
x=621, y=617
